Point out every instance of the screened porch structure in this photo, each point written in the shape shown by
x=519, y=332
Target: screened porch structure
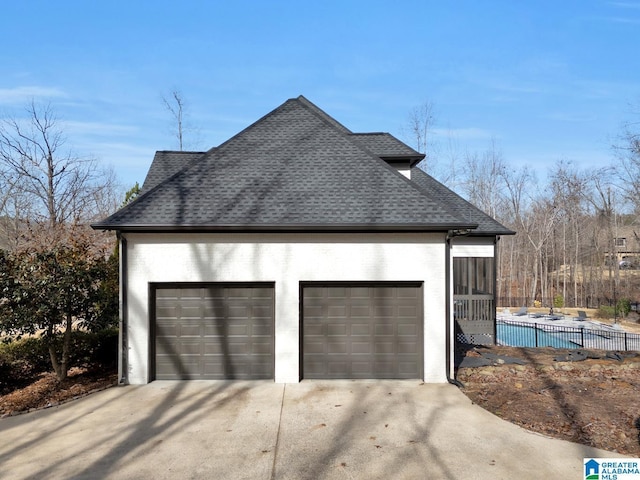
x=474, y=308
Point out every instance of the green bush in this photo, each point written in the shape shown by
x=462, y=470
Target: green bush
x=624, y=307
x=94, y=349
x=558, y=301
x=605, y=312
x=31, y=351
x=88, y=349
x=6, y=368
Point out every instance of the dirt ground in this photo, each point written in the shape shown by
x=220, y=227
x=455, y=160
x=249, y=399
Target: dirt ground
x=594, y=401
x=44, y=390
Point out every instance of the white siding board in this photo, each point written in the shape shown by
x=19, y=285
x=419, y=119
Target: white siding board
x=472, y=247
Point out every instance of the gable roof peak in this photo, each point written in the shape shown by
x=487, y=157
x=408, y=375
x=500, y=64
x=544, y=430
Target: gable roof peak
x=322, y=114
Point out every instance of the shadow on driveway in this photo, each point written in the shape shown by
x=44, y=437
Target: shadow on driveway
x=263, y=430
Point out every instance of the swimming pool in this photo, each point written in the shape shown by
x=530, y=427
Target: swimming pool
x=523, y=336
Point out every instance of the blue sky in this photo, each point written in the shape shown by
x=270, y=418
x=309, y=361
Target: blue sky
x=546, y=80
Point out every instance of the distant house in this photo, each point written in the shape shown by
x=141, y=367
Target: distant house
x=299, y=249
x=626, y=248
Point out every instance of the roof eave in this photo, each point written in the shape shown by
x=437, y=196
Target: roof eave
x=413, y=159
x=264, y=228
x=490, y=233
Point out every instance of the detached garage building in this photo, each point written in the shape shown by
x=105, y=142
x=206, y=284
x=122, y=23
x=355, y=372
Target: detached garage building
x=299, y=250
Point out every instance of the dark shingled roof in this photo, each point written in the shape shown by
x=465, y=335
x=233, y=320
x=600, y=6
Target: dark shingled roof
x=294, y=169
x=459, y=206
x=385, y=145
x=166, y=164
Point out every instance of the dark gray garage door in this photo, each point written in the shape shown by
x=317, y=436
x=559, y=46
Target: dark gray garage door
x=362, y=331
x=214, y=332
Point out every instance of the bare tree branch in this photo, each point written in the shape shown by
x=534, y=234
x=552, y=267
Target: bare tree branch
x=47, y=182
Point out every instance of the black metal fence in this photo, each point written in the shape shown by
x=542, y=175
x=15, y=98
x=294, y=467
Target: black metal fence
x=530, y=334
x=589, y=302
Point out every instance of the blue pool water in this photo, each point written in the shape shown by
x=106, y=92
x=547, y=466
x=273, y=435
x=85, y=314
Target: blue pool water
x=521, y=336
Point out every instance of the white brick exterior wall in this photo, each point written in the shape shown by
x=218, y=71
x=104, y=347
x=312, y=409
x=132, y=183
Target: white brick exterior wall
x=286, y=260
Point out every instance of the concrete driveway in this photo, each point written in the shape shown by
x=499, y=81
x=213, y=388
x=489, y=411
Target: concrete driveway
x=262, y=430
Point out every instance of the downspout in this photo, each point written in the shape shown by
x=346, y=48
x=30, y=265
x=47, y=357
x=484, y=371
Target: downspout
x=123, y=368
x=495, y=290
x=447, y=260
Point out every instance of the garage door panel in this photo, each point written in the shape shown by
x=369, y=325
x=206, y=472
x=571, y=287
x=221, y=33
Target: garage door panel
x=189, y=330
x=165, y=346
x=237, y=348
x=314, y=347
x=238, y=330
x=187, y=312
x=385, y=366
x=408, y=369
x=214, y=332
x=261, y=349
x=336, y=330
x=385, y=348
x=213, y=311
x=166, y=311
x=316, y=369
x=360, y=311
x=313, y=310
x=170, y=294
x=262, y=311
x=407, y=311
x=383, y=311
x=314, y=330
x=337, y=292
x=337, y=347
x=238, y=311
x=258, y=330
x=384, y=329
x=188, y=293
x=212, y=368
x=236, y=293
x=337, y=311
x=361, y=347
x=215, y=328
x=360, y=369
x=408, y=348
x=379, y=335
x=359, y=329
x=358, y=292
x=167, y=329
x=336, y=367
x=213, y=346
x=190, y=348
x=407, y=330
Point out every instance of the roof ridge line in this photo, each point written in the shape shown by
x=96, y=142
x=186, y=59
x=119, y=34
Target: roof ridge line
x=182, y=151
x=324, y=116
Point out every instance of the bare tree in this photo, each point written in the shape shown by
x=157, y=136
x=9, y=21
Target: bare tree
x=421, y=120
x=570, y=189
x=627, y=150
x=484, y=180
x=177, y=106
x=48, y=184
